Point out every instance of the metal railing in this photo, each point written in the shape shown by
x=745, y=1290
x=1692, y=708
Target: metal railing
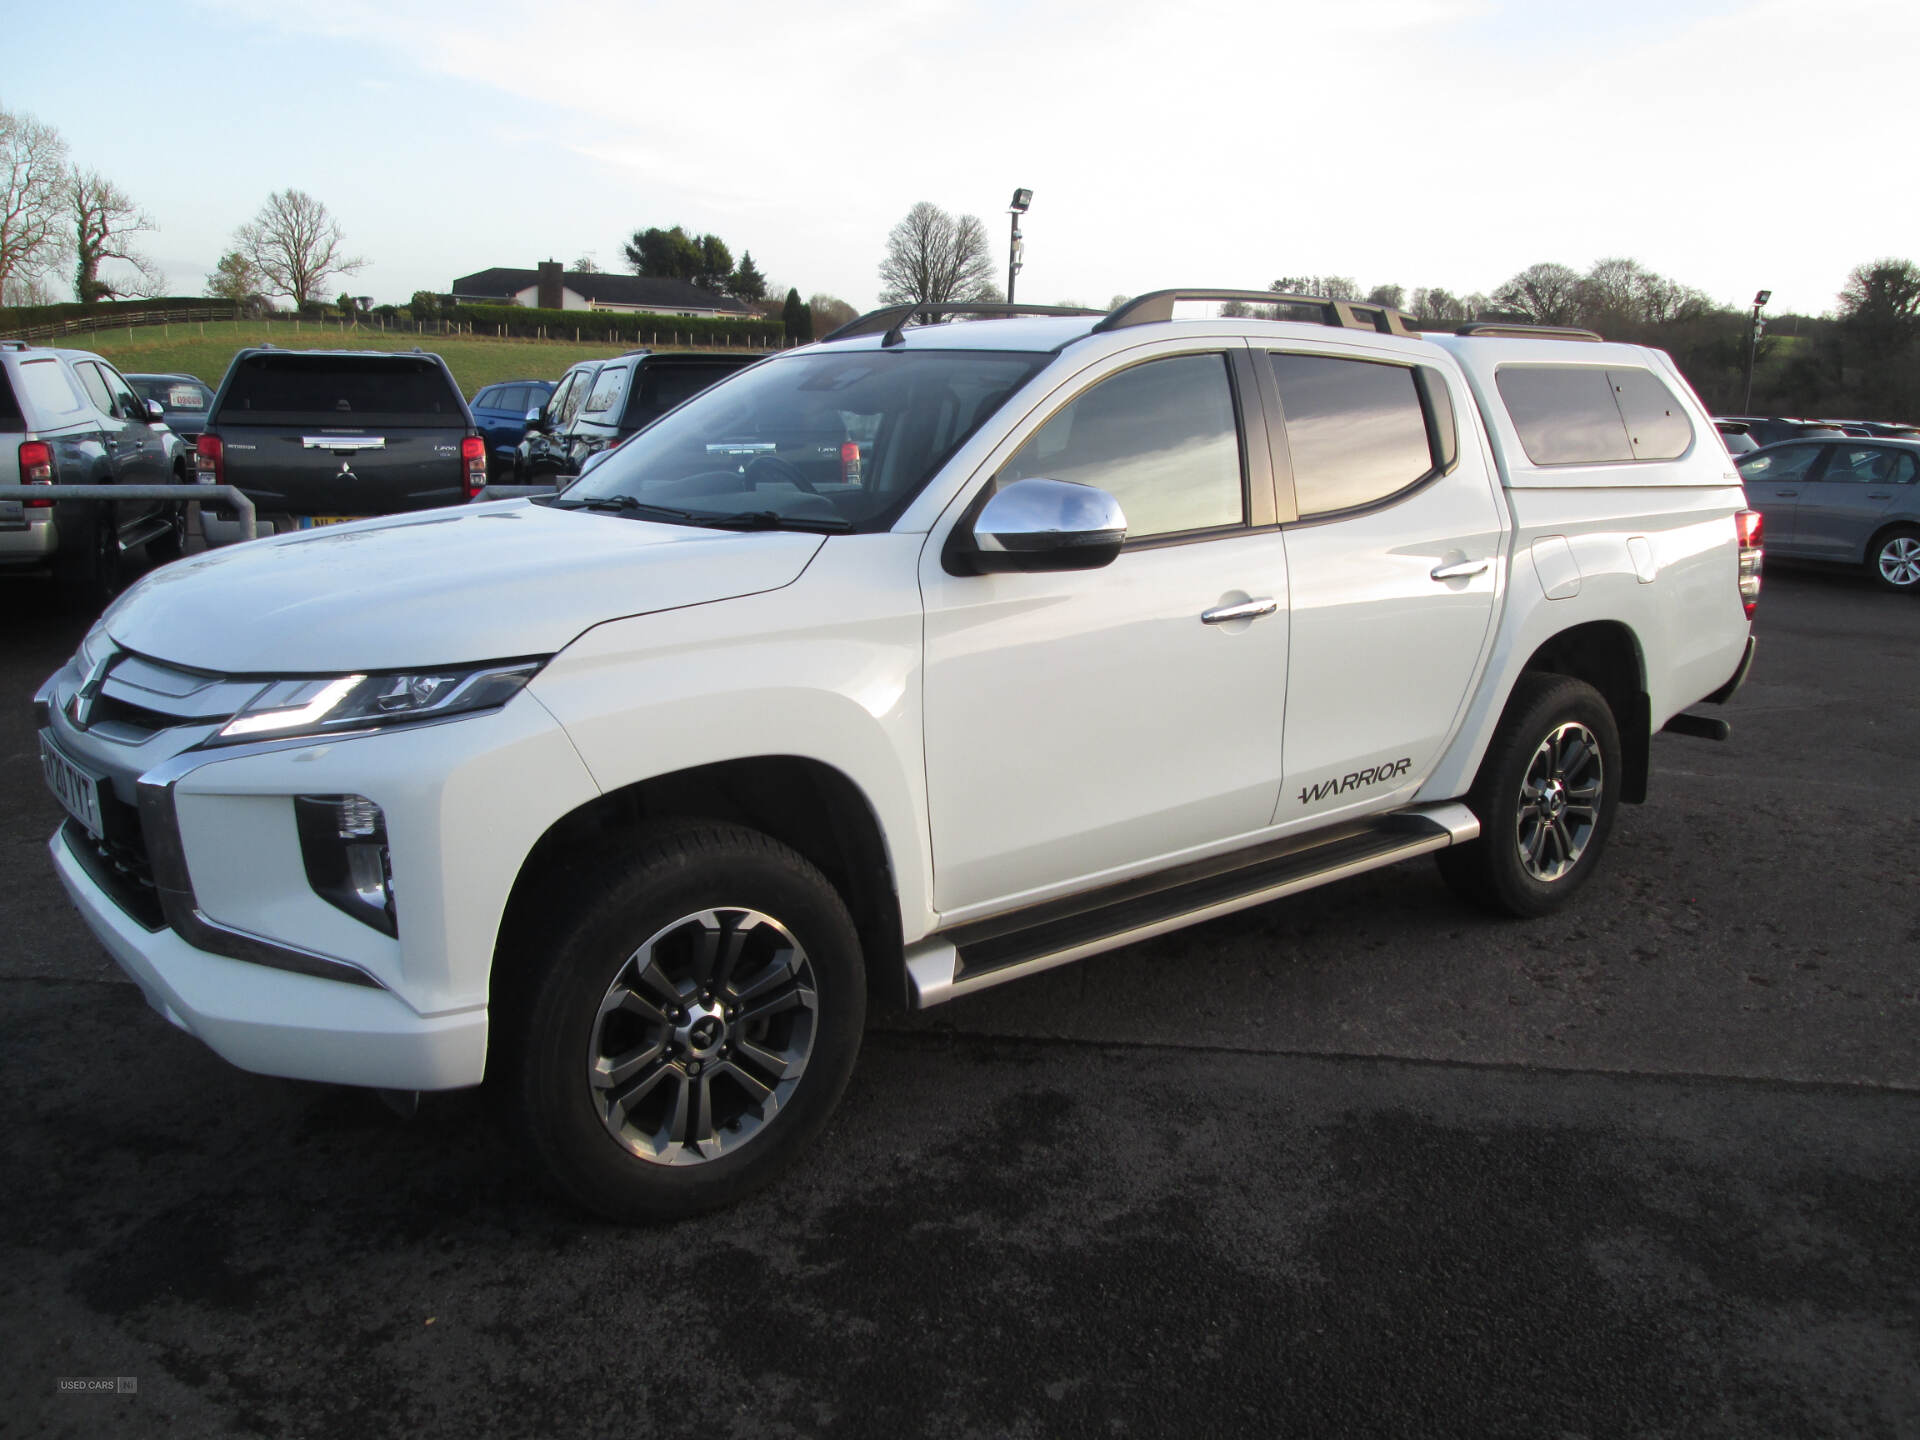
x=226, y=494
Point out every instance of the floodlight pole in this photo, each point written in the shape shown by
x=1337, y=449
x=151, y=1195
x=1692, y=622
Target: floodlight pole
x=1753, y=343
x=1021, y=199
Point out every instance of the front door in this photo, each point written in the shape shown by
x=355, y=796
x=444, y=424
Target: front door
x=1840, y=511
x=1394, y=564
x=1083, y=722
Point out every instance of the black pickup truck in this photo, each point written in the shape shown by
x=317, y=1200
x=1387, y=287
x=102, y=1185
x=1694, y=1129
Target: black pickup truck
x=599, y=403
x=317, y=436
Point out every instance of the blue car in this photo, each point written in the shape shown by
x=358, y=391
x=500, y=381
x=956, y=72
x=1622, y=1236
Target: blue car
x=501, y=413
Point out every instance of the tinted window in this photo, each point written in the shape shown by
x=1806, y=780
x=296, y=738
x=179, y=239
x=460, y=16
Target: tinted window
x=96, y=387
x=343, y=389
x=607, y=389
x=513, y=399
x=182, y=395
x=1160, y=438
x=1657, y=427
x=9, y=407
x=1566, y=415
x=662, y=387
x=487, y=399
x=1355, y=430
x=1779, y=465
x=569, y=405
x=47, y=389
x=1868, y=465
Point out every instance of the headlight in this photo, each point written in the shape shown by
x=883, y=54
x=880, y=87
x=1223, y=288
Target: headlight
x=357, y=702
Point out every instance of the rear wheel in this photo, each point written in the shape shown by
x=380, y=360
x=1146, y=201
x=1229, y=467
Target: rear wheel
x=690, y=1026
x=1545, y=798
x=1894, y=563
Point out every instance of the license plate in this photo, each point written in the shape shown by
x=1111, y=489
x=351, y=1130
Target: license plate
x=314, y=522
x=72, y=787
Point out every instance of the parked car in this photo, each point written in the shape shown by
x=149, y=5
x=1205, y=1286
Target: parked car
x=314, y=437
x=1851, y=503
x=1880, y=428
x=626, y=799
x=608, y=400
x=1771, y=430
x=183, y=401
x=1735, y=436
x=67, y=417
x=500, y=412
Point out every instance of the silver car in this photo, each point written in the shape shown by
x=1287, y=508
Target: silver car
x=1854, y=502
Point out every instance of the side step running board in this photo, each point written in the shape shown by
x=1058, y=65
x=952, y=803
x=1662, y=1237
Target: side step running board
x=989, y=952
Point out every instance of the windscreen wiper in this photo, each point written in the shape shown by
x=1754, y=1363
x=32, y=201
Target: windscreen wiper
x=625, y=505
x=773, y=520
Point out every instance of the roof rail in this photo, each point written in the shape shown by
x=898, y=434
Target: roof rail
x=1158, y=305
x=893, y=319
x=1516, y=331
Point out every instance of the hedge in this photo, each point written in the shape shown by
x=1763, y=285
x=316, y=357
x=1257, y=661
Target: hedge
x=108, y=312
x=641, y=326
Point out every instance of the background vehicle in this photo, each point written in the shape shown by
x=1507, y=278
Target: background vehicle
x=500, y=412
x=1772, y=430
x=67, y=417
x=901, y=665
x=183, y=401
x=600, y=403
x=1734, y=434
x=1850, y=503
x=318, y=436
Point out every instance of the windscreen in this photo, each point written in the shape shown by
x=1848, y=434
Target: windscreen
x=663, y=386
x=839, y=440
x=341, y=390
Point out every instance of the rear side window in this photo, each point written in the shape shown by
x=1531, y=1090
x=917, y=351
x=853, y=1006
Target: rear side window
x=662, y=387
x=47, y=388
x=341, y=390
x=9, y=407
x=607, y=390
x=1584, y=415
x=1356, y=431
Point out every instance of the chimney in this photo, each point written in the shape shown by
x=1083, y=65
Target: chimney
x=548, y=296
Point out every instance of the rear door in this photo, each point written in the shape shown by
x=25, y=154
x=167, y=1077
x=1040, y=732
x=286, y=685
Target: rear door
x=1776, y=479
x=1393, y=565
x=1840, y=510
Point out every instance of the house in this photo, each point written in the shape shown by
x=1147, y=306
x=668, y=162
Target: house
x=550, y=288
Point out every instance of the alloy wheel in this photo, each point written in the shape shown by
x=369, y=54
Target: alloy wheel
x=702, y=1036
x=1899, y=561
x=1559, y=801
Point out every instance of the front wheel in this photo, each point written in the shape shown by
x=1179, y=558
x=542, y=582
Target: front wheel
x=1545, y=798
x=691, y=1025
x=1895, y=561
x=170, y=544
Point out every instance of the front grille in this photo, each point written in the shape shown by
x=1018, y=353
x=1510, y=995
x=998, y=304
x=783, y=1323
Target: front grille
x=120, y=867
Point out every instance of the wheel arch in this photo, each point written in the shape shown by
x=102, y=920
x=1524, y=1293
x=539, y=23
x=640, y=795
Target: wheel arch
x=1607, y=655
x=1885, y=529
x=805, y=804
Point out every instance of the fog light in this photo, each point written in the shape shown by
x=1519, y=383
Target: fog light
x=343, y=841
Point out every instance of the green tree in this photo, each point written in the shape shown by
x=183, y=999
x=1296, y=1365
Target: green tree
x=663, y=254
x=748, y=283
x=1880, y=305
x=830, y=312
x=1392, y=296
x=424, y=305
x=234, y=278
x=797, y=318
x=716, y=264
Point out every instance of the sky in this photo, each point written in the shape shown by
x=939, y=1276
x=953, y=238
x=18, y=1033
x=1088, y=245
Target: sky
x=1729, y=144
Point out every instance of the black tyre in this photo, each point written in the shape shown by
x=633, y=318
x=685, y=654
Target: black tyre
x=1894, y=561
x=172, y=543
x=688, y=1025
x=1545, y=797
x=89, y=574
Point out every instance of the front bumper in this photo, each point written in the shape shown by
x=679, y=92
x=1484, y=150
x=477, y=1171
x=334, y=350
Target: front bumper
x=275, y=1022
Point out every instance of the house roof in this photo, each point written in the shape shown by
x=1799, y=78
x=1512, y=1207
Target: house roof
x=648, y=292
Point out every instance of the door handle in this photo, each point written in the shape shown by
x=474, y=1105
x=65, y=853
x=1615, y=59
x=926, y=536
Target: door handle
x=1245, y=610
x=1879, y=494
x=1785, y=494
x=1460, y=570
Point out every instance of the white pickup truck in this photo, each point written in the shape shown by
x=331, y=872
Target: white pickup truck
x=901, y=665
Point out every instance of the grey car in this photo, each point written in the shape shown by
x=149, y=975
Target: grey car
x=1853, y=502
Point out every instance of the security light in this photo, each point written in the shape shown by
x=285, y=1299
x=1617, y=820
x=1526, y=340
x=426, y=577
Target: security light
x=1021, y=199
x=1762, y=297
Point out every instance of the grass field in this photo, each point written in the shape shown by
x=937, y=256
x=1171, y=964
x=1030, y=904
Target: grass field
x=204, y=349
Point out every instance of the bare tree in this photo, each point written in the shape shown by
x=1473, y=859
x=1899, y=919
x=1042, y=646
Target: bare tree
x=105, y=220
x=934, y=258
x=295, y=245
x=586, y=265
x=830, y=312
x=1392, y=296
x=1545, y=294
x=33, y=172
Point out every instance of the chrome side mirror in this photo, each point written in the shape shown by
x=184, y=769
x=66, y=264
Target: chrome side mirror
x=155, y=412
x=1039, y=525
x=536, y=418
